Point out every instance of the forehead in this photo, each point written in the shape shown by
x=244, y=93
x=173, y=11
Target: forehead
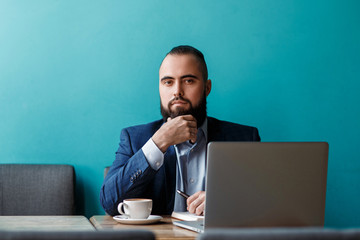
x=178, y=65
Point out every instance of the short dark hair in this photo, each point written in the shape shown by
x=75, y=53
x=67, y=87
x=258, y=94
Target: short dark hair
x=186, y=49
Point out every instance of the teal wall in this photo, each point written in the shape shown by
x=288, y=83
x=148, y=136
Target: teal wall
x=74, y=73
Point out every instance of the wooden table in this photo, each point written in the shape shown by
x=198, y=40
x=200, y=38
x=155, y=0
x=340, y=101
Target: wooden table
x=162, y=230
x=45, y=223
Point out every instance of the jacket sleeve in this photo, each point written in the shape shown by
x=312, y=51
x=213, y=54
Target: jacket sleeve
x=128, y=177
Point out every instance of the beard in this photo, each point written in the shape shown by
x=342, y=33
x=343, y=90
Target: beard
x=198, y=111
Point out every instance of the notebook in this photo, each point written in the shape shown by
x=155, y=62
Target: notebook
x=264, y=184
x=186, y=216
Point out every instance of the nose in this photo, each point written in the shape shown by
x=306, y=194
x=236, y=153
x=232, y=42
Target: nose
x=178, y=91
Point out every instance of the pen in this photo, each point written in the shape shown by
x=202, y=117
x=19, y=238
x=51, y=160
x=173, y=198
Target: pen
x=182, y=194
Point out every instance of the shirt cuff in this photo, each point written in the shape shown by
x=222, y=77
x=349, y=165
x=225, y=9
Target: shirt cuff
x=153, y=154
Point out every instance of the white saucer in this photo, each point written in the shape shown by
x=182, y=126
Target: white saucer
x=124, y=220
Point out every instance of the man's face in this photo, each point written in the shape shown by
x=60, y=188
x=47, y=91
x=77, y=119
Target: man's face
x=181, y=86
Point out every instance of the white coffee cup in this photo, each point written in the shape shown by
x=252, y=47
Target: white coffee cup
x=136, y=208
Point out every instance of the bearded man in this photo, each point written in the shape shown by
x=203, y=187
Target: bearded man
x=155, y=159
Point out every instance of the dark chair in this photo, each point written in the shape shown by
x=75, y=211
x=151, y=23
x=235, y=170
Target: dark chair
x=280, y=234
x=86, y=235
x=37, y=189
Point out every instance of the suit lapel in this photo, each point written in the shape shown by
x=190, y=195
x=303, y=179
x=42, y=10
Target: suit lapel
x=214, y=133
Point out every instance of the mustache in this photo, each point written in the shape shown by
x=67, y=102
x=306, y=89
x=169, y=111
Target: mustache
x=177, y=99
x=198, y=111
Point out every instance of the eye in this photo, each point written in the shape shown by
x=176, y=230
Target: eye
x=167, y=82
x=189, y=81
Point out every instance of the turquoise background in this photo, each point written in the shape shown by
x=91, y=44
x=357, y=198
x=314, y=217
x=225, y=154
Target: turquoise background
x=74, y=73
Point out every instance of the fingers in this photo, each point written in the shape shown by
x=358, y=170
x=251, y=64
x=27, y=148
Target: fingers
x=185, y=118
x=188, y=117
x=200, y=209
x=193, y=134
x=176, y=130
x=184, y=128
x=186, y=121
x=196, y=203
x=192, y=198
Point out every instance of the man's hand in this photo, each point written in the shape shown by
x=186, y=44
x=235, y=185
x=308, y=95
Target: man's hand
x=174, y=131
x=196, y=203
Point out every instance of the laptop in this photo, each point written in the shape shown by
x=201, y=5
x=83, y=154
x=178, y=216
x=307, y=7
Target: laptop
x=264, y=184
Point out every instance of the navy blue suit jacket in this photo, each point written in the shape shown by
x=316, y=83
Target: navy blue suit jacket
x=130, y=175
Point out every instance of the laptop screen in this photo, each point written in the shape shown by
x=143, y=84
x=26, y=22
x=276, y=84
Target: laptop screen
x=259, y=184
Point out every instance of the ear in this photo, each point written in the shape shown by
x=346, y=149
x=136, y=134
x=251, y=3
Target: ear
x=208, y=87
